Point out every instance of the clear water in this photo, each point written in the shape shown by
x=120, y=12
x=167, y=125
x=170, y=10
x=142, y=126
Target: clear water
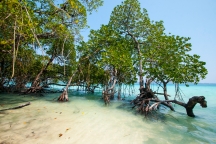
x=85, y=119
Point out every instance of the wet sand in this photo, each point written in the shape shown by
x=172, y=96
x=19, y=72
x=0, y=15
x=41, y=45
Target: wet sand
x=83, y=120
x=77, y=121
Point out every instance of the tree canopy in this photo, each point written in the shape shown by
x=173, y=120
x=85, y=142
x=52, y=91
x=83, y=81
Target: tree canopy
x=40, y=41
x=35, y=34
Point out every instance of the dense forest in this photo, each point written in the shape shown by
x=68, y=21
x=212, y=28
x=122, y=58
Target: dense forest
x=41, y=45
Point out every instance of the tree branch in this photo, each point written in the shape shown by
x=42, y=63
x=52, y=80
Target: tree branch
x=17, y=107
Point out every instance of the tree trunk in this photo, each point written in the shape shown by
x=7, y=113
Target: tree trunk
x=137, y=47
x=119, y=91
x=35, y=87
x=112, y=94
x=140, y=66
x=106, y=94
x=147, y=84
x=166, y=95
x=165, y=91
x=64, y=95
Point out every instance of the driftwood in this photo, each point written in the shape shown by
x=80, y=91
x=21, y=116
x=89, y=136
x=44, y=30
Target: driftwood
x=146, y=101
x=17, y=107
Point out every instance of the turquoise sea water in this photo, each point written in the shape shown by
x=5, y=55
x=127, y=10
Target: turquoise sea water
x=117, y=122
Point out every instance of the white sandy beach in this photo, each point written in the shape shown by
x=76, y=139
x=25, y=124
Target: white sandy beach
x=82, y=121
x=78, y=121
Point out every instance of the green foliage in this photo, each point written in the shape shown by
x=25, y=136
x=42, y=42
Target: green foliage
x=167, y=59
x=130, y=43
x=130, y=38
x=52, y=26
x=134, y=24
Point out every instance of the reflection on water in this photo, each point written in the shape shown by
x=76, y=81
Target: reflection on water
x=85, y=119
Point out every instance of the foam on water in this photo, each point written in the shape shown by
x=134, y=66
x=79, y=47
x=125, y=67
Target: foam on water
x=85, y=119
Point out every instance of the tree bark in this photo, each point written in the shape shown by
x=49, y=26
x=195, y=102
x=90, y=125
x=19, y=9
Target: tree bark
x=106, y=94
x=35, y=87
x=119, y=91
x=165, y=91
x=140, y=64
x=166, y=95
x=191, y=104
x=137, y=47
x=64, y=95
x=142, y=101
x=148, y=82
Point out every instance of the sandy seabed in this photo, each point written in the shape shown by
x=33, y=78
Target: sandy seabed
x=78, y=121
x=85, y=120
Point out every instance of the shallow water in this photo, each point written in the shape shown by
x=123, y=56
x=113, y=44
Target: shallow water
x=85, y=119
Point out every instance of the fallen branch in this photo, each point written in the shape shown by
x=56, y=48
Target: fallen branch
x=17, y=107
x=161, y=94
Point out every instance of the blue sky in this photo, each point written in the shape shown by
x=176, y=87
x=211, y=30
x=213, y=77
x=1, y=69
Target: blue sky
x=188, y=18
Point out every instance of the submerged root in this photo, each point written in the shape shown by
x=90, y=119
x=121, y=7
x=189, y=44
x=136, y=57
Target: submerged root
x=146, y=102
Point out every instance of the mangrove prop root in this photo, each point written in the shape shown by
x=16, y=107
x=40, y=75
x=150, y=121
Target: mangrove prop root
x=63, y=97
x=17, y=107
x=146, y=101
x=106, y=97
x=191, y=104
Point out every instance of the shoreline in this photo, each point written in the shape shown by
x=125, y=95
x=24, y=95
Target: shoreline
x=85, y=119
